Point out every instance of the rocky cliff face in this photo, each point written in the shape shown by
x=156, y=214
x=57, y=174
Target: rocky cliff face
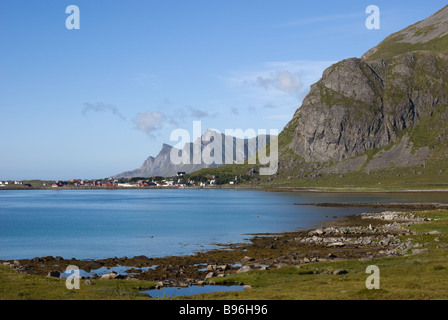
x=366, y=104
x=358, y=105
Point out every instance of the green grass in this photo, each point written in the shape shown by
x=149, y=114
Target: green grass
x=418, y=277
x=392, y=46
x=19, y=286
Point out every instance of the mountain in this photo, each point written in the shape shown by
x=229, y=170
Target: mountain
x=384, y=111
x=378, y=119
x=162, y=164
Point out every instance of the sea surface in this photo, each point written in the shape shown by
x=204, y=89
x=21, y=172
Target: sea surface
x=95, y=224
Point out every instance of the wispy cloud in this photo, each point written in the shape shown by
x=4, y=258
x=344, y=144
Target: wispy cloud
x=275, y=84
x=101, y=107
x=235, y=111
x=149, y=122
x=284, y=81
x=199, y=114
x=323, y=19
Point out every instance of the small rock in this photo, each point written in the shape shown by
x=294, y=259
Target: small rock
x=339, y=271
x=336, y=244
x=419, y=251
x=365, y=259
x=247, y=287
x=243, y=269
x=48, y=258
x=211, y=267
x=247, y=259
x=54, y=274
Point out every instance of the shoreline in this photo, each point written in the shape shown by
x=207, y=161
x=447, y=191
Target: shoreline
x=224, y=187
x=360, y=236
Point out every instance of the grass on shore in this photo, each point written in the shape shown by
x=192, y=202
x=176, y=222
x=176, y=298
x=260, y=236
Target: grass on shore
x=414, y=276
x=19, y=286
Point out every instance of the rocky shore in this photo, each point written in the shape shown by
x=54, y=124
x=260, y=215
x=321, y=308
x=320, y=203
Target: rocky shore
x=364, y=237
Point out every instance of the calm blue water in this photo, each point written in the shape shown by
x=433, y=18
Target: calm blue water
x=93, y=224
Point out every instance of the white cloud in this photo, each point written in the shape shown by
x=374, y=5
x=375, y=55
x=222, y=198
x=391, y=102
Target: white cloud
x=274, y=85
x=284, y=81
x=149, y=122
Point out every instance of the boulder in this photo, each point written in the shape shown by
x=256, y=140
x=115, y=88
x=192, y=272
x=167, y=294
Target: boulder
x=243, y=269
x=211, y=267
x=209, y=275
x=339, y=271
x=54, y=274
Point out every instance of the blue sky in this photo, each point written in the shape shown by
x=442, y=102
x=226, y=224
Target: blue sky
x=97, y=101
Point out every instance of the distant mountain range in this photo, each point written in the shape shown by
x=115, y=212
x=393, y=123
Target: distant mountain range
x=162, y=164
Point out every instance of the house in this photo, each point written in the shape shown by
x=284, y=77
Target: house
x=125, y=185
x=54, y=185
x=180, y=174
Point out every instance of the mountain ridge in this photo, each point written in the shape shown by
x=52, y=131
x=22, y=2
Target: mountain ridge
x=161, y=165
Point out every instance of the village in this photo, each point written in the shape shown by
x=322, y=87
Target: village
x=181, y=180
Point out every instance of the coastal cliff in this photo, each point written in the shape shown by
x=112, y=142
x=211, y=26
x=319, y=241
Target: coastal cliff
x=384, y=111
